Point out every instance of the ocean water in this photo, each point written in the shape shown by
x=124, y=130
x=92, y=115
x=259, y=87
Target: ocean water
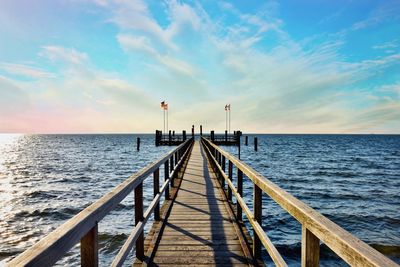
x=354, y=180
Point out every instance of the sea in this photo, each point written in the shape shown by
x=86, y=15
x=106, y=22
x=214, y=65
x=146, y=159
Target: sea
x=354, y=180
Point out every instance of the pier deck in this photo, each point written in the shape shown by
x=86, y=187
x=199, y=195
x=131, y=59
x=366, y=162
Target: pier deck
x=197, y=224
x=200, y=227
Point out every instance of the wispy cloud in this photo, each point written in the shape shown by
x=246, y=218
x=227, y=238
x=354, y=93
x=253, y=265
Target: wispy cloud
x=25, y=70
x=66, y=55
x=141, y=43
x=389, y=11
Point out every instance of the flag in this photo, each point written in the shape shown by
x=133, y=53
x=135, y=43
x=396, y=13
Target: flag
x=165, y=106
x=228, y=107
x=162, y=104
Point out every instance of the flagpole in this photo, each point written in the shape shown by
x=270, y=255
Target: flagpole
x=164, y=120
x=226, y=119
x=229, y=118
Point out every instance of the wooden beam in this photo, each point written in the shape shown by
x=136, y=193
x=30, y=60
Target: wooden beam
x=257, y=206
x=90, y=248
x=156, y=190
x=309, y=248
x=166, y=177
x=230, y=172
x=240, y=192
x=138, y=219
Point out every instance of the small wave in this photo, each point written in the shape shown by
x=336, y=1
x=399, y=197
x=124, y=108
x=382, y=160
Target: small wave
x=110, y=243
x=62, y=214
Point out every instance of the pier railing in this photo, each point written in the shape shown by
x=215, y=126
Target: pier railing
x=315, y=227
x=83, y=227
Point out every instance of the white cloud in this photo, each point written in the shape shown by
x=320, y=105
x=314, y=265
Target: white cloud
x=25, y=70
x=66, y=55
x=141, y=43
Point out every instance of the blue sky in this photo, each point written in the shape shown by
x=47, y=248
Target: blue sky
x=285, y=66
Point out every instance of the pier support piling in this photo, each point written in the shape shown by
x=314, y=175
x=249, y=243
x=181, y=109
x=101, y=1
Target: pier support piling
x=138, y=144
x=255, y=144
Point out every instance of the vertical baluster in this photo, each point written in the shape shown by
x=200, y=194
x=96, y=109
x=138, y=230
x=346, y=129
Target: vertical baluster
x=171, y=166
x=166, y=177
x=223, y=169
x=156, y=190
x=89, y=248
x=139, y=218
x=240, y=191
x=257, y=209
x=230, y=172
x=309, y=248
x=171, y=162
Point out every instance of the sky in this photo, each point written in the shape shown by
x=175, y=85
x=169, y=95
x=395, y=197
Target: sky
x=104, y=66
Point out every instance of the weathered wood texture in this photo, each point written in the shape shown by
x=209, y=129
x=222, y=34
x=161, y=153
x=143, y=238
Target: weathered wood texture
x=83, y=226
x=200, y=228
x=316, y=227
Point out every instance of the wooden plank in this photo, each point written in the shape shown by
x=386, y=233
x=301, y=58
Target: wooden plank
x=166, y=177
x=188, y=260
x=156, y=190
x=239, y=215
x=201, y=253
x=309, y=248
x=138, y=219
x=90, y=248
x=211, y=247
x=257, y=206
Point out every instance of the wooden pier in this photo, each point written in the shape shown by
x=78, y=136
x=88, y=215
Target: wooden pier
x=198, y=224
x=172, y=139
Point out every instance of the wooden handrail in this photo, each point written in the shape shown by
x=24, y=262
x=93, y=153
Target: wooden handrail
x=315, y=226
x=83, y=226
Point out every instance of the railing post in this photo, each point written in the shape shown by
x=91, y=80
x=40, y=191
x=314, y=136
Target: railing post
x=166, y=177
x=156, y=190
x=171, y=166
x=90, y=248
x=240, y=191
x=309, y=248
x=230, y=171
x=223, y=169
x=171, y=163
x=139, y=218
x=257, y=209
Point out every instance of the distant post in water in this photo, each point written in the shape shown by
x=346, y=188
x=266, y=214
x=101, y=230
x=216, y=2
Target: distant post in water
x=169, y=137
x=226, y=136
x=246, y=142
x=212, y=136
x=201, y=130
x=193, y=131
x=173, y=133
x=138, y=144
x=184, y=135
x=158, y=137
x=255, y=144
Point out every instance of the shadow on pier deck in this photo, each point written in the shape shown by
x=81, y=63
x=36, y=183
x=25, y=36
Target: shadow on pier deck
x=197, y=223
x=200, y=227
